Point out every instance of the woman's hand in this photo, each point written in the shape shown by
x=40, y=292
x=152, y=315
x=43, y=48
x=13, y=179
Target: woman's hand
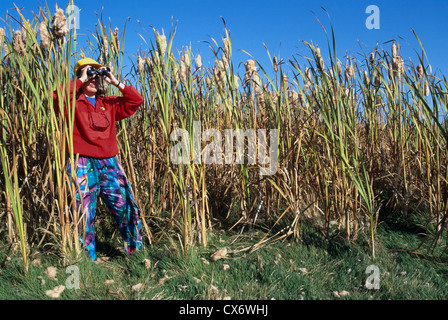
x=110, y=78
x=84, y=76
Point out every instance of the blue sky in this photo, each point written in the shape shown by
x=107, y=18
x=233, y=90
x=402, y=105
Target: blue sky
x=280, y=24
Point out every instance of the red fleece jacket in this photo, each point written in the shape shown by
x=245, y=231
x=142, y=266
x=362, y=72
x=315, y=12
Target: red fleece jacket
x=94, y=131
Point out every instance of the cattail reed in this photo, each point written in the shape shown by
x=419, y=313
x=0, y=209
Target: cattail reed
x=140, y=64
x=18, y=42
x=372, y=58
x=345, y=150
x=115, y=47
x=198, y=61
x=349, y=72
x=251, y=69
x=275, y=63
x=420, y=71
x=394, y=50
x=2, y=35
x=161, y=43
x=105, y=49
x=44, y=37
x=60, y=29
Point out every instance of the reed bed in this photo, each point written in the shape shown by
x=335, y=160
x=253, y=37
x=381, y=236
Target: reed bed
x=358, y=139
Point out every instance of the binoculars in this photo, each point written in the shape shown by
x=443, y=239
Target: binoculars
x=100, y=72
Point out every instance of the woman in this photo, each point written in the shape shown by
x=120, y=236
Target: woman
x=98, y=172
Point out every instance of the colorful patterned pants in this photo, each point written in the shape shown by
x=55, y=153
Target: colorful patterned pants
x=105, y=178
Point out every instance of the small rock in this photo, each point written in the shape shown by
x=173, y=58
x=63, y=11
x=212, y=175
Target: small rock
x=303, y=270
x=56, y=292
x=51, y=273
x=221, y=253
x=137, y=287
x=36, y=262
x=147, y=263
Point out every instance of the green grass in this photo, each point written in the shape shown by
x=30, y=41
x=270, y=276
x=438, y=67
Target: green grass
x=310, y=269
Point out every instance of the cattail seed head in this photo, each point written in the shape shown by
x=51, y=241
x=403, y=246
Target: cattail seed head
x=198, y=61
x=427, y=90
x=285, y=80
x=339, y=67
x=226, y=47
x=18, y=42
x=161, y=42
x=394, y=50
x=44, y=36
x=5, y=53
x=372, y=58
x=60, y=29
x=236, y=81
x=397, y=66
x=349, y=72
x=141, y=64
x=115, y=48
x=105, y=48
x=2, y=35
x=366, y=76
x=307, y=74
x=183, y=71
x=250, y=70
x=275, y=62
x=420, y=71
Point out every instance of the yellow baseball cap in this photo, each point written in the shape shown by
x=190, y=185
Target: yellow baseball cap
x=86, y=62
